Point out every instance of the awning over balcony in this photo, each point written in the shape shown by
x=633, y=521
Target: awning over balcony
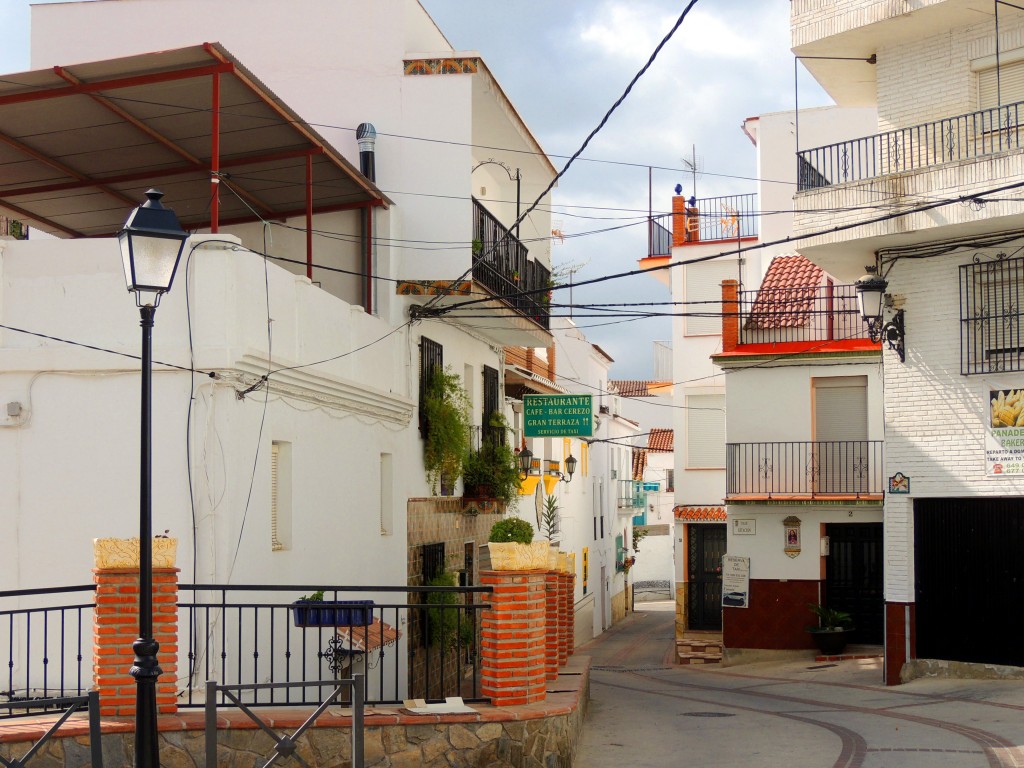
x=79, y=145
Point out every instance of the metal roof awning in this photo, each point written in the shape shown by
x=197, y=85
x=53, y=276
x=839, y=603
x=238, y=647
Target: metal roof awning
x=79, y=146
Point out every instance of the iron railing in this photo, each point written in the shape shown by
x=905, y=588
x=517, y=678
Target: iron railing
x=992, y=317
x=709, y=219
x=235, y=635
x=68, y=705
x=963, y=137
x=813, y=313
x=631, y=494
x=501, y=264
x=45, y=643
x=822, y=468
x=659, y=235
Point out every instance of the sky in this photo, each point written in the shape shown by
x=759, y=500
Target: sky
x=563, y=63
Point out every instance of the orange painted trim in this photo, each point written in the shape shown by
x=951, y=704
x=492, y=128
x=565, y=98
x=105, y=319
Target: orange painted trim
x=802, y=347
x=653, y=262
x=725, y=240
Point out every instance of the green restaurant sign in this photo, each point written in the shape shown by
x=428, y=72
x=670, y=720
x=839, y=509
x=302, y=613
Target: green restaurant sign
x=558, y=415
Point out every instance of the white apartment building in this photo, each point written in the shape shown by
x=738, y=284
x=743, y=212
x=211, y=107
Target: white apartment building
x=930, y=200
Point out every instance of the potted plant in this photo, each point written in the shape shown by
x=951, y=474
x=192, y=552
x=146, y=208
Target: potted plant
x=446, y=409
x=313, y=611
x=834, y=630
x=493, y=471
x=511, y=547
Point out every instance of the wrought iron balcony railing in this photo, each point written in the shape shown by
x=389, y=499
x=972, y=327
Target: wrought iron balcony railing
x=708, y=220
x=501, y=264
x=811, y=469
x=631, y=495
x=963, y=137
x=812, y=313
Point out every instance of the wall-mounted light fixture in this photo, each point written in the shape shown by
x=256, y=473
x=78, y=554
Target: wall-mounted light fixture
x=871, y=300
x=525, y=462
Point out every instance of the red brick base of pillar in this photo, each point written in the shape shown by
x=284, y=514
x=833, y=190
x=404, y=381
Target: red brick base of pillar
x=116, y=627
x=512, y=647
x=900, y=639
x=564, y=617
x=552, y=620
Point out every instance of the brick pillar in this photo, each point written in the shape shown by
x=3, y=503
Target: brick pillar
x=116, y=627
x=565, y=616
x=552, y=622
x=551, y=363
x=730, y=315
x=512, y=638
x=900, y=634
x=678, y=221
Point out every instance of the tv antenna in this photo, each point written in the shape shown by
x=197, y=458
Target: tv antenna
x=695, y=166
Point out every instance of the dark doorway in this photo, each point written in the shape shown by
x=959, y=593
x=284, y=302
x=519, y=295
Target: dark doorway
x=704, y=558
x=969, y=579
x=854, y=577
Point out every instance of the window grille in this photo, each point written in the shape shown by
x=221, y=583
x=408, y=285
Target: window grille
x=431, y=359
x=494, y=435
x=991, y=332
x=433, y=561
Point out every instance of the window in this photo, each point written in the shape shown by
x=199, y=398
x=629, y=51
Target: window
x=1010, y=81
x=670, y=480
x=433, y=561
x=704, y=283
x=280, y=496
x=991, y=332
x=493, y=434
x=705, y=431
x=841, y=454
x=431, y=359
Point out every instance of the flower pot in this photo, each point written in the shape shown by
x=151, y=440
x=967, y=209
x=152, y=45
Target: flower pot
x=831, y=641
x=333, y=613
x=513, y=556
x=112, y=553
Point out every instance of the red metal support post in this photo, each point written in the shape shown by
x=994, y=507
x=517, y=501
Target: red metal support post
x=215, y=158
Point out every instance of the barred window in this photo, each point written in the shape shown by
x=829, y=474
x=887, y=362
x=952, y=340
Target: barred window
x=431, y=360
x=991, y=331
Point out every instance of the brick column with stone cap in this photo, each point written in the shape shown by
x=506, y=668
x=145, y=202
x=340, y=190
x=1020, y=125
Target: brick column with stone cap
x=512, y=649
x=567, y=616
x=552, y=623
x=116, y=627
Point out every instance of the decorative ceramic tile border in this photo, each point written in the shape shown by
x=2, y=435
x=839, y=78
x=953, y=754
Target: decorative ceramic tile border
x=442, y=66
x=434, y=288
x=700, y=513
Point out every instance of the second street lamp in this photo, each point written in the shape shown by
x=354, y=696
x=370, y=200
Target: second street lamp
x=151, y=244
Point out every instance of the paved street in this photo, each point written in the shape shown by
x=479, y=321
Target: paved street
x=646, y=712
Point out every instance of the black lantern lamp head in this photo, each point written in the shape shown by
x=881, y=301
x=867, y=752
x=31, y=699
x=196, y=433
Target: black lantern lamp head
x=525, y=462
x=871, y=298
x=570, y=468
x=151, y=244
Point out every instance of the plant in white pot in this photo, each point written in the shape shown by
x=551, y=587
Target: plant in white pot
x=511, y=547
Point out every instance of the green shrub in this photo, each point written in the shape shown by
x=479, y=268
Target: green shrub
x=512, y=529
x=447, y=626
x=446, y=409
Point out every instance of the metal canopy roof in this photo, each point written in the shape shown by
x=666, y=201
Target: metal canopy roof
x=80, y=145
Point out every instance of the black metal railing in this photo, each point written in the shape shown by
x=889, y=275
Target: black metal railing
x=501, y=264
x=284, y=744
x=963, y=137
x=824, y=468
x=45, y=643
x=812, y=313
x=709, y=219
x=237, y=636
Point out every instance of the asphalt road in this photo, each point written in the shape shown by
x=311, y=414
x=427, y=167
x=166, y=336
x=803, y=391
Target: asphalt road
x=645, y=711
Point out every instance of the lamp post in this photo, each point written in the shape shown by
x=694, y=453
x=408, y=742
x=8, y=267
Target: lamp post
x=151, y=244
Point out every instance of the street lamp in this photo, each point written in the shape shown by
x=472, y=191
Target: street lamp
x=151, y=244
x=871, y=303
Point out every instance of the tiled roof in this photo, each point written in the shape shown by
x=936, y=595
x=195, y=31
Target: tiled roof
x=634, y=387
x=699, y=513
x=380, y=633
x=786, y=296
x=660, y=440
x=639, y=463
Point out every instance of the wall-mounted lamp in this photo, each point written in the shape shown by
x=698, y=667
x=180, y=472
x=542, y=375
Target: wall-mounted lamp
x=570, y=469
x=525, y=462
x=871, y=302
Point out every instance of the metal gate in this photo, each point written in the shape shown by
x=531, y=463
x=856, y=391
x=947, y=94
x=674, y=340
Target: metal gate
x=704, y=558
x=969, y=579
x=854, y=577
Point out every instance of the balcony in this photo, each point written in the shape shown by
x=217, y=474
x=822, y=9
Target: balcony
x=502, y=266
x=708, y=220
x=813, y=313
x=804, y=471
x=966, y=137
x=631, y=495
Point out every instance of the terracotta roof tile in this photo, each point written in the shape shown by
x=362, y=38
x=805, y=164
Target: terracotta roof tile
x=699, y=513
x=639, y=463
x=660, y=440
x=633, y=387
x=380, y=633
x=786, y=296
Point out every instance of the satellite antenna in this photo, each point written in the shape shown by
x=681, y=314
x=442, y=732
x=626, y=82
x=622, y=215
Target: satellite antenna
x=695, y=166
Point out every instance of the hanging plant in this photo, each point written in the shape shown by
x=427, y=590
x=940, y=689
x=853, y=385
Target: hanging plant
x=446, y=408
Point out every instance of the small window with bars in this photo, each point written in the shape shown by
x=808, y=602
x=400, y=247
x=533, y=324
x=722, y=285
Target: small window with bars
x=991, y=312
x=494, y=433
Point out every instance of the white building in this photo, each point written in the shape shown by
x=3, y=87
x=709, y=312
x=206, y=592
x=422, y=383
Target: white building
x=731, y=237
x=944, y=162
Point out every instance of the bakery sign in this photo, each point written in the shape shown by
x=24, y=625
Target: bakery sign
x=1004, y=433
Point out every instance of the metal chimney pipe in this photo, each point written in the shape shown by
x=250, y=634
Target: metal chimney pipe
x=366, y=137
